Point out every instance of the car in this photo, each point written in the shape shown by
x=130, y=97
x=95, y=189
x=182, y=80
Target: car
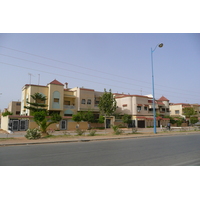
x=197, y=124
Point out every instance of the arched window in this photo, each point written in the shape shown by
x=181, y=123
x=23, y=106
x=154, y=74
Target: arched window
x=56, y=100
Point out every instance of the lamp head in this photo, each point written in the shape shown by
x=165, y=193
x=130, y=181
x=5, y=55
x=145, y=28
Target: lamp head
x=160, y=45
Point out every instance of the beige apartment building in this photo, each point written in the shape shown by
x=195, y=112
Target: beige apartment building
x=141, y=109
x=176, y=110
x=61, y=99
x=14, y=107
x=68, y=101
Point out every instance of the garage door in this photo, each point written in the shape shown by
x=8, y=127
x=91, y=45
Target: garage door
x=141, y=124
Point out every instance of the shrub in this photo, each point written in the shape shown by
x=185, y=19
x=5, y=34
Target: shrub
x=134, y=130
x=80, y=132
x=193, y=120
x=33, y=134
x=7, y=113
x=116, y=130
x=92, y=133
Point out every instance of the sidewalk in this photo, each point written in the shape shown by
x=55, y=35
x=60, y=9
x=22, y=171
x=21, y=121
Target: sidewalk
x=18, y=138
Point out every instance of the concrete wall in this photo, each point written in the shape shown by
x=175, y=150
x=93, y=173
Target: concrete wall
x=4, y=122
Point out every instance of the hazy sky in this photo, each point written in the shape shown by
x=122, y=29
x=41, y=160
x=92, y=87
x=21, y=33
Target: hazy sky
x=121, y=62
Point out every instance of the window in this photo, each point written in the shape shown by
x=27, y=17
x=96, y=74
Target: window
x=67, y=103
x=89, y=101
x=83, y=101
x=139, y=108
x=56, y=100
x=177, y=112
x=146, y=108
x=18, y=104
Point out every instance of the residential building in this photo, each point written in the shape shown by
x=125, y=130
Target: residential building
x=60, y=99
x=176, y=110
x=14, y=107
x=141, y=109
x=68, y=101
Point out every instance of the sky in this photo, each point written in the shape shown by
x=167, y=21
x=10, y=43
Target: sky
x=117, y=61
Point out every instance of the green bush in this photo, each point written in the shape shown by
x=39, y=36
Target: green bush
x=80, y=132
x=33, y=134
x=116, y=130
x=193, y=120
x=92, y=133
x=134, y=130
x=7, y=113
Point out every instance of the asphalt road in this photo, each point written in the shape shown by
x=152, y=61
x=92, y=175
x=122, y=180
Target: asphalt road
x=154, y=151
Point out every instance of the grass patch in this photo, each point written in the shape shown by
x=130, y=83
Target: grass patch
x=7, y=138
x=56, y=136
x=132, y=133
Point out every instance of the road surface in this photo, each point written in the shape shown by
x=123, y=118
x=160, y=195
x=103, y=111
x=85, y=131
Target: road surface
x=153, y=151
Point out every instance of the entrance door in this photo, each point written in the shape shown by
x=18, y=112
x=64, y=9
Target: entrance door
x=22, y=125
x=63, y=125
x=108, y=123
x=15, y=125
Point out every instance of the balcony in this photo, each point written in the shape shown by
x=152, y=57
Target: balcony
x=69, y=107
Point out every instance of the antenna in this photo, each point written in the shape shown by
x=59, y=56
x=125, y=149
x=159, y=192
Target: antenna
x=141, y=91
x=30, y=76
x=38, y=79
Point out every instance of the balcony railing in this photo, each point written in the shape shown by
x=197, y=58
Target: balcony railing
x=69, y=107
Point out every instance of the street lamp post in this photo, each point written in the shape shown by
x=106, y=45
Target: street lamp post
x=154, y=110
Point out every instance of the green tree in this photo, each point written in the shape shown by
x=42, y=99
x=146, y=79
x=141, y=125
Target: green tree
x=40, y=113
x=88, y=117
x=193, y=120
x=188, y=111
x=38, y=104
x=43, y=121
x=172, y=120
x=107, y=104
x=101, y=119
x=127, y=119
x=7, y=113
x=77, y=118
x=179, y=121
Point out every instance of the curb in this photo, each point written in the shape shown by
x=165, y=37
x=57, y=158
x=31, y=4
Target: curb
x=96, y=139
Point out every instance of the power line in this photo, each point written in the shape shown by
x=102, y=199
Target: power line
x=87, y=68
x=92, y=75
x=69, y=70
x=61, y=75
x=77, y=78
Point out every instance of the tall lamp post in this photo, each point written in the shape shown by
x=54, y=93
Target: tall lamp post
x=154, y=110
